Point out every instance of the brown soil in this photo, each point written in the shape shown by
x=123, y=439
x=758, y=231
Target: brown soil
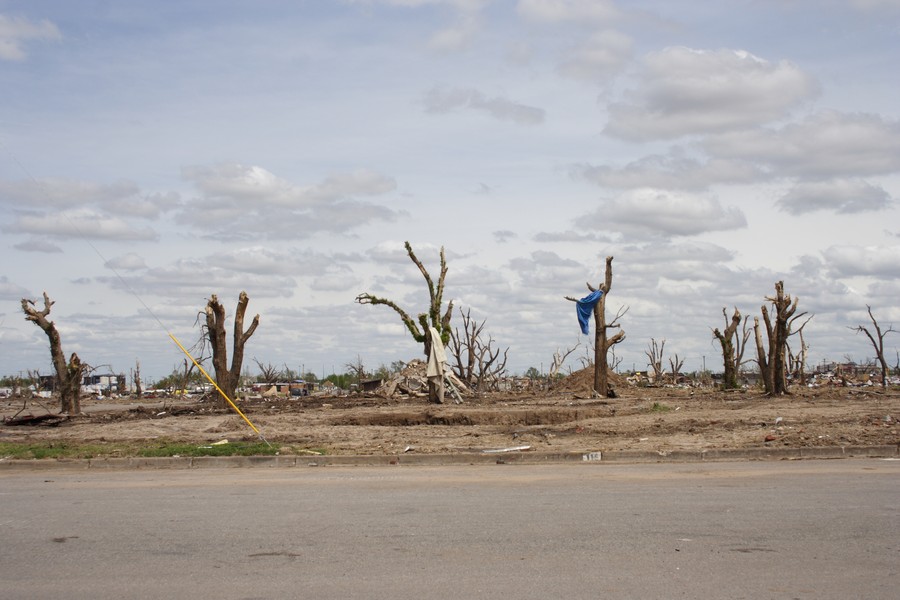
x=564, y=419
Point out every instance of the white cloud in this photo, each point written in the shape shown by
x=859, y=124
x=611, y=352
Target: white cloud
x=265, y=260
x=825, y=145
x=571, y=236
x=673, y=171
x=662, y=213
x=59, y=193
x=683, y=91
x=445, y=100
x=15, y=31
x=190, y=279
x=603, y=55
x=457, y=36
x=38, y=245
x=568, y=11
x=840, y=195
x=80, y=223
x=855, y=261
x=504, y=235
x=269, y=206
x=11, y=291
x=127, y=262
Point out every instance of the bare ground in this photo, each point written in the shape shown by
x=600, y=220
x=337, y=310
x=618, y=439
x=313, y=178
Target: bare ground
x=566, y=419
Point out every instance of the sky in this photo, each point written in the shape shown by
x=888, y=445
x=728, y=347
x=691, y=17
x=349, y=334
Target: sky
x=155, y=154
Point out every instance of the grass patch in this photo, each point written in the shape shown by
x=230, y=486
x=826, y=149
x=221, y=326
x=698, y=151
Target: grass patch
x=57, y=450
x=229, y=449
x=660, y=408
x=154, y=448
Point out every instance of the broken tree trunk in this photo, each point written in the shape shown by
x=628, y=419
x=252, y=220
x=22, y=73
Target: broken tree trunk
x=773, y=363
x=726, y=339
x=227, y=378
x=68, y=375
x=602, y=341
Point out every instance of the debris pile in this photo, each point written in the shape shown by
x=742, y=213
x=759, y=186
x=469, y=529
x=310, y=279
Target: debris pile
x=582, y=382
x=412, y=381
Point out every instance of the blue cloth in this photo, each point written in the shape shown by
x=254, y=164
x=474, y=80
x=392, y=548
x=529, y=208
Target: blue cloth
x=585, y=308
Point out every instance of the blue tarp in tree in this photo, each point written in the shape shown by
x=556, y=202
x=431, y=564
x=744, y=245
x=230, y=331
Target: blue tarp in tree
x=585, y=308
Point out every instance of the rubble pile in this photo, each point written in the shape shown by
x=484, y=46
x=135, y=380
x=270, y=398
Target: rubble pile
x=412, y=381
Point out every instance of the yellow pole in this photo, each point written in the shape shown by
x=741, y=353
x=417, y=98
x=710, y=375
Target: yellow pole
x=215, y=385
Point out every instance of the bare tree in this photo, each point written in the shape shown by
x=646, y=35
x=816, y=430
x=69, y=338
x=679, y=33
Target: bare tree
x=602, y=341
x=227, y=378
x=740, y=345
x=68, y=374
x=559, y=357
x=773, y=358
x=432, y=319
x=478, y=363
x=675, y=364
x=269, y=373
x=136, y=379
x=614, y=361
x=357, y=369
x=797, y=362
x=878, y=343
x=654, y=352
x=732, y=347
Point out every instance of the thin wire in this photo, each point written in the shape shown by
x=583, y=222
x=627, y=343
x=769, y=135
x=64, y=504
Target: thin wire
x=131, y=290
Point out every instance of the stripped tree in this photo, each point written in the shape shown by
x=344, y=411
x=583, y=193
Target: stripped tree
x=269, y=374
x=733, y=345
x=595, y=303
x=878, y=343
x=559, y=358
x=772, y=358
x=68, y=374
x=432, y=319
x=654, y=352
x=136, y=379
x=477, y=362
x=675, y=364
x=227, y=377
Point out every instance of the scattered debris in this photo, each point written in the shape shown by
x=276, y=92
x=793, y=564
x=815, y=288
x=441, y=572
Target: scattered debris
x=500, y=450
x=49, y=420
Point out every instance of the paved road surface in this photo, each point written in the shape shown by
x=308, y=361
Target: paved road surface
x=812, y=529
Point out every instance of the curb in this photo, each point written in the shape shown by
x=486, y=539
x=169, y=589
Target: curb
x=525, y=458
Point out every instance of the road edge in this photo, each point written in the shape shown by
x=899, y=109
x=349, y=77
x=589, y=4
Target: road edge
x=464, y=458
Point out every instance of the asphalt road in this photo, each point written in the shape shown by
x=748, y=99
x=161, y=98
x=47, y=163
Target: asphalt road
x=810, y=529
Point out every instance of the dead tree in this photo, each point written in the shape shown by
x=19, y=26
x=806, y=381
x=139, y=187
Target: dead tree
x=877, y=343
x=559, y=357
x=654, y=352
x=269, y=373
x=358, y=370
x=227, y=378
x=675, y=364
x=136, y=379
x=614, y=361
x=732, y=347
x=432, y=319
x=68, y=374
x=602, y=341
x=772, y=358
x=797, y=362
x=478, y=362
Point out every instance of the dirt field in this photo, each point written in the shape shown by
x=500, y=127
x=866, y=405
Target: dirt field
x=565, y=419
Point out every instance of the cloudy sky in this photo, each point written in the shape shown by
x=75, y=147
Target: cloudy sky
x=153, y=154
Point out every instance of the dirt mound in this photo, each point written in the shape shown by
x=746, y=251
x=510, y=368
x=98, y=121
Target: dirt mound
x=582, y=382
